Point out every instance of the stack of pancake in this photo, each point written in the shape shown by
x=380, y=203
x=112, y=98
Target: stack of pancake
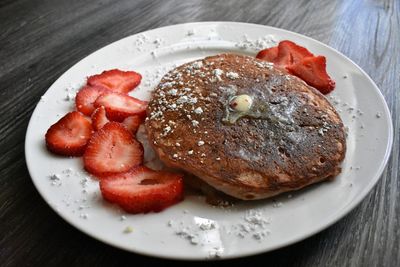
x=289, y=137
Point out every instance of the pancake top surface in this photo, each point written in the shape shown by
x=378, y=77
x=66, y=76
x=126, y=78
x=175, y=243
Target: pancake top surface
x=294, y=136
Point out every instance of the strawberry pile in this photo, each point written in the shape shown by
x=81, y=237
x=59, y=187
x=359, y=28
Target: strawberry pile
x=103, y=130
x=300, y=62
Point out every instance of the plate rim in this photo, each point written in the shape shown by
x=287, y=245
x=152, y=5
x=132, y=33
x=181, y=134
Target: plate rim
x=343, y=213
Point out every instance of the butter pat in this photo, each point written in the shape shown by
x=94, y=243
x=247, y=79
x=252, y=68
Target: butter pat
x=241, y=103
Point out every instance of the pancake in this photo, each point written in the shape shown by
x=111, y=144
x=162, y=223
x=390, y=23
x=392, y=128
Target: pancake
x=290, y=137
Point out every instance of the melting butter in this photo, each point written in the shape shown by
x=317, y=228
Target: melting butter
x=245, y=106
x=241, y=103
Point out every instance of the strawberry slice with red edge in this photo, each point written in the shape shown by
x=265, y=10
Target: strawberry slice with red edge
x=70, y=135
x=312, y=70
x=132, y=123
x=120, y=106
x=290, y=53
x=269, y=54
x=86, y=96
x=99, y=118
x=143, y=190
x=116, y=80
x=112, y=149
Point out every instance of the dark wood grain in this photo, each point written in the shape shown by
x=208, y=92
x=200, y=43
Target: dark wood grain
x=39, y=40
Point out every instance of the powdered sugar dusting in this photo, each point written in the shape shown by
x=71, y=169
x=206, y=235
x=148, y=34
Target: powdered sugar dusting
x=255, y=224
x=257, y=44
x=81, y=205
x=200, y=232
x=232, y=75
x=209, y=234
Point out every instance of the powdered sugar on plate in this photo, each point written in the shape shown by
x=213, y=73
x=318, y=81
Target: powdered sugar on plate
x=260, y=43
x=81, y=204
x=254, y=224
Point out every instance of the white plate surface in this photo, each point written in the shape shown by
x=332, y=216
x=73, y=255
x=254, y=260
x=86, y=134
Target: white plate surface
x=193, y=229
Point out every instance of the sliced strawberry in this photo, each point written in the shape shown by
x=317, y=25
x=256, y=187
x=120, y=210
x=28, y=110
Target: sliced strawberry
x=86, y=96
x=99, y=118
x=70, y=135
x=312, y=70
x=120, y=106
x=132, y=123
x=116, y=80
x=290, y=53
x=143, y=190
x=268, y=54
x=112, y=149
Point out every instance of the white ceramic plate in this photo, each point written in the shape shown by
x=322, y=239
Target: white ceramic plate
x=195, y=229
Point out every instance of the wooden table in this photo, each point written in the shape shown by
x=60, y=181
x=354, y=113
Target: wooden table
x=41, y=39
